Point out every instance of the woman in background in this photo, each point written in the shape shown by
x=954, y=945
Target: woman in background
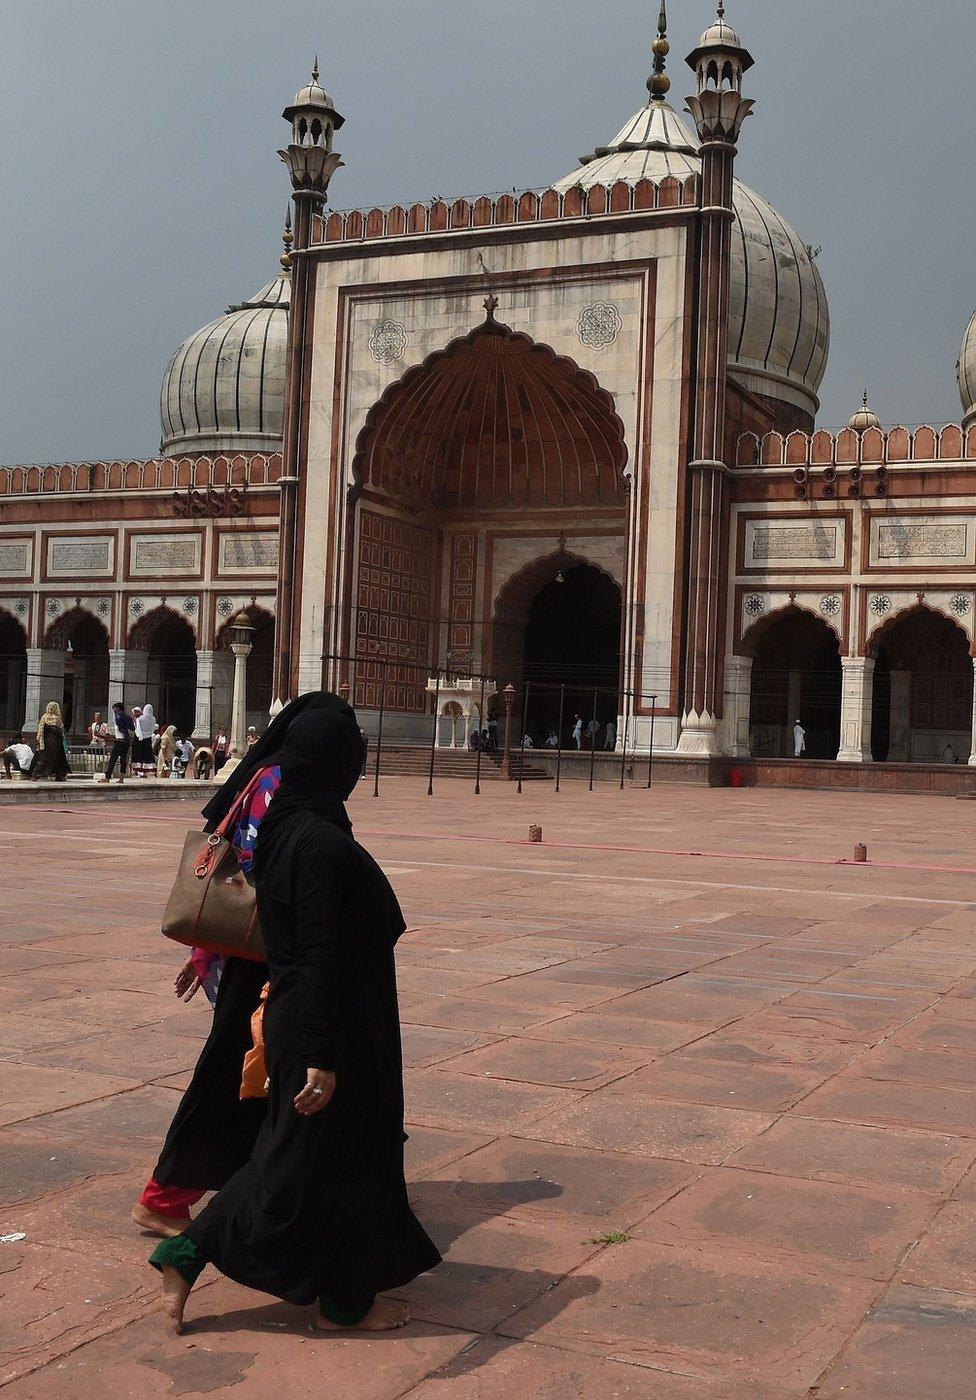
x=143, y=759
x=51, y=759
x=167, y=751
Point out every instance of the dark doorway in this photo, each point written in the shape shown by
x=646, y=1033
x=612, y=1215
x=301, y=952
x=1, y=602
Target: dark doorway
x=796, y=669
x=572, y=639
x=923, y=691
x=13, y=674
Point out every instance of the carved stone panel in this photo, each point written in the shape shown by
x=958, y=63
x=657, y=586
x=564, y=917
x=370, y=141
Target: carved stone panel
x=15, y=558
x=165, y=554
x=80, y=555
x=916, y=539
x=774, y=546
x=394, y=593
x=249, y=554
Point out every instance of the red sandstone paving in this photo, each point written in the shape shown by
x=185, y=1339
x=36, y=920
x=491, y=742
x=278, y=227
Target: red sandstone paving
x=761, y=1072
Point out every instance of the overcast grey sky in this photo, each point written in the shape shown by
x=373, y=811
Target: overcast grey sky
x=142, y=193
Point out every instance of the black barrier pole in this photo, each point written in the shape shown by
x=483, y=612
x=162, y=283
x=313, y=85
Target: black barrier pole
x=650, y=747
x=525, y=718
x=482, y=729
x=623, y=756
x=593, y=738
x=433, y=740
x=379, y=730
x=559, y=734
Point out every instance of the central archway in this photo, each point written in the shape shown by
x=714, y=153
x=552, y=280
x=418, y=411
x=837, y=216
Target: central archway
x=796, y=675
x=557, y=629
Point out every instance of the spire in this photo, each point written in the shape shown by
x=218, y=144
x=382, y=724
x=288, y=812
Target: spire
x=659, y=84
x=287, y=239
x=315, y=67
x=721, y=9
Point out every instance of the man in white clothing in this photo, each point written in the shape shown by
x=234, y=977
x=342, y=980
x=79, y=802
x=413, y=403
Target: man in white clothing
x=799, y=740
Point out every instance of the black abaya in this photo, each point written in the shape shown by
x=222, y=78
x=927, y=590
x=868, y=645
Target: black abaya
x=322, y=1207
x=213, y=1131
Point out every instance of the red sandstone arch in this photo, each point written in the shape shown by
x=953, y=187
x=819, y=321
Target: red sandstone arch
x=882, y=633
x=496, y=419
x=69, y=625
x=144, y=633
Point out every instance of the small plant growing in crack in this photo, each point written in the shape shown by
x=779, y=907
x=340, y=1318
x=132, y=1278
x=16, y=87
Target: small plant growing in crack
x=611, y=1237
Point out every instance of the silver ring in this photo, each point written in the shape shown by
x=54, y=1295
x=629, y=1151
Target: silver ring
x=318, y=1091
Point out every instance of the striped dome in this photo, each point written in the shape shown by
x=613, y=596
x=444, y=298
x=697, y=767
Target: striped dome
x=779, y=321
x=966, y=371
x=224, y=389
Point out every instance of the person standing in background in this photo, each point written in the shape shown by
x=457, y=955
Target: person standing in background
x=123, y=730
x=51, y=759
x=799, y=740
x=221, y=749
x=143, y=759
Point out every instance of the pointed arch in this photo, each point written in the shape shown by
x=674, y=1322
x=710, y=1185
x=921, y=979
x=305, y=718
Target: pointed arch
x=496, y=419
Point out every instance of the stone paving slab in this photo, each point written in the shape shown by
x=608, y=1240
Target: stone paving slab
x=701, y=1128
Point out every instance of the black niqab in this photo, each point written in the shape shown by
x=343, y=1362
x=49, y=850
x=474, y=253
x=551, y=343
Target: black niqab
x=266, y=752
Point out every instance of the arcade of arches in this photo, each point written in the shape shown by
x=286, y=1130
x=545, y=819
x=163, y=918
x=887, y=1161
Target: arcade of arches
x=910, y=700
x=494, y=437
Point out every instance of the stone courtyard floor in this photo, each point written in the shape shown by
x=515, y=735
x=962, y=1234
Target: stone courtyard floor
x=697, y=1127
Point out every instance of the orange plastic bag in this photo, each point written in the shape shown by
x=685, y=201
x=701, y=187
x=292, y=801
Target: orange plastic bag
x=254, y=1078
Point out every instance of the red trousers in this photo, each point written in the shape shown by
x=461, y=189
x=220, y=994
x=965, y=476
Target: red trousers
x=171, y=1201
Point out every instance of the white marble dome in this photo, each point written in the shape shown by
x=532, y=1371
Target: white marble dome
x=966, y=371
x=779, y=325
x=224, y=389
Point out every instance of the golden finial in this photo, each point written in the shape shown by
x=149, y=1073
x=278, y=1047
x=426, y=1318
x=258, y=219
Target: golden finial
x=721, y=10
x=287, y=239
x=659, y=84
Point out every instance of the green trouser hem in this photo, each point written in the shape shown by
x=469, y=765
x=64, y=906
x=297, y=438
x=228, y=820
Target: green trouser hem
x=181, y=1254
x=342, y=1317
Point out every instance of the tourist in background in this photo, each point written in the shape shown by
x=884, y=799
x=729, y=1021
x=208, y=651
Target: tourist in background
x=19, y=755
x=610, y=743
x=221, y=749
x=553, y=741
x=799, y=740
x=51, y=759
x=167, y=752
x=123, y=728
x=578, y=731
x=143, y=759
x=98, y=734
x=493, y=733
x=252, y=737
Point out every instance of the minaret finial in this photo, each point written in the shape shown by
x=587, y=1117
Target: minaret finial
x=315, y=69
x=287, y=239
x=865, y=399
x=721, y=9
x=659, y=84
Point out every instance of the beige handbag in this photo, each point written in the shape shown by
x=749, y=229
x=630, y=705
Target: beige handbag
x=212, y=904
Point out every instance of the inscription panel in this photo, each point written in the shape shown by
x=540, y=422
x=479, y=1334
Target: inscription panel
x=83, y=554
x=165, y=554
x=771, y=545
x=249, y=554
x=932, y=540
x=15, y=558
x=394, y=592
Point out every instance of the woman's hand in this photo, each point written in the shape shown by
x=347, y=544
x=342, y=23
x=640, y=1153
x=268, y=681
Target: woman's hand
x=187, y=981
x=317, y=1092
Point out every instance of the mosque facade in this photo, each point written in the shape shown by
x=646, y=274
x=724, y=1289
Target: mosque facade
x=565, y=440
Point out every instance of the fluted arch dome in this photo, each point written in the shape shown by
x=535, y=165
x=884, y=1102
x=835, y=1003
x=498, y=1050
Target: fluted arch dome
x=779, y=320
x=967, y=373
x=224, y=389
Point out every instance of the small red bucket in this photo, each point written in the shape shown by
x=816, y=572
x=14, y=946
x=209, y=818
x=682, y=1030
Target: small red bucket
x=735, y=777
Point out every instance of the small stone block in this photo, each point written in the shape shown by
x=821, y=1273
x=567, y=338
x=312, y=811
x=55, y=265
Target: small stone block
x=535, y=833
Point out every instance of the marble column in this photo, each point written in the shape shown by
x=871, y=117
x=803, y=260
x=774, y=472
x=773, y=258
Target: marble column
x=857, y=696
x=738, y=706
x=136, y=673
x=203, y=713
x=116, y=678
x=899, y=726
x=45, y=681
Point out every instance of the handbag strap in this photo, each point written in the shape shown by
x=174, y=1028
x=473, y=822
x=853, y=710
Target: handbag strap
x=204, y=867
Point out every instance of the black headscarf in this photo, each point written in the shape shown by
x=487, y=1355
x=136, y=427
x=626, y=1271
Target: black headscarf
x=266, y=752
x=320, y=763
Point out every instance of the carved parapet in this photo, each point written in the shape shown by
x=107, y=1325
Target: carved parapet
x=876, y=447
x=211, y=471
x=504, y=210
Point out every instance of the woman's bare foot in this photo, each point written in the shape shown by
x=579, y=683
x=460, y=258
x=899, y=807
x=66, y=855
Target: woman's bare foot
x=176, y=1290
x=162, y=1225
x=383, y=1316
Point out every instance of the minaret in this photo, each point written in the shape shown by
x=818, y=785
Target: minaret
x=719, y=110
x=311, y=164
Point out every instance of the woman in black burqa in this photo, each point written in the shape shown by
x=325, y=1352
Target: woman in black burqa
x=213, y=1131
x=320, y=1211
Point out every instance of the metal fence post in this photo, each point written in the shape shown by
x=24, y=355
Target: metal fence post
x=379, y=729
x=525, y=718
x=559, y=734
x=434, y=736
x=593, y=738
x=623, y=757
x=650, y=747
